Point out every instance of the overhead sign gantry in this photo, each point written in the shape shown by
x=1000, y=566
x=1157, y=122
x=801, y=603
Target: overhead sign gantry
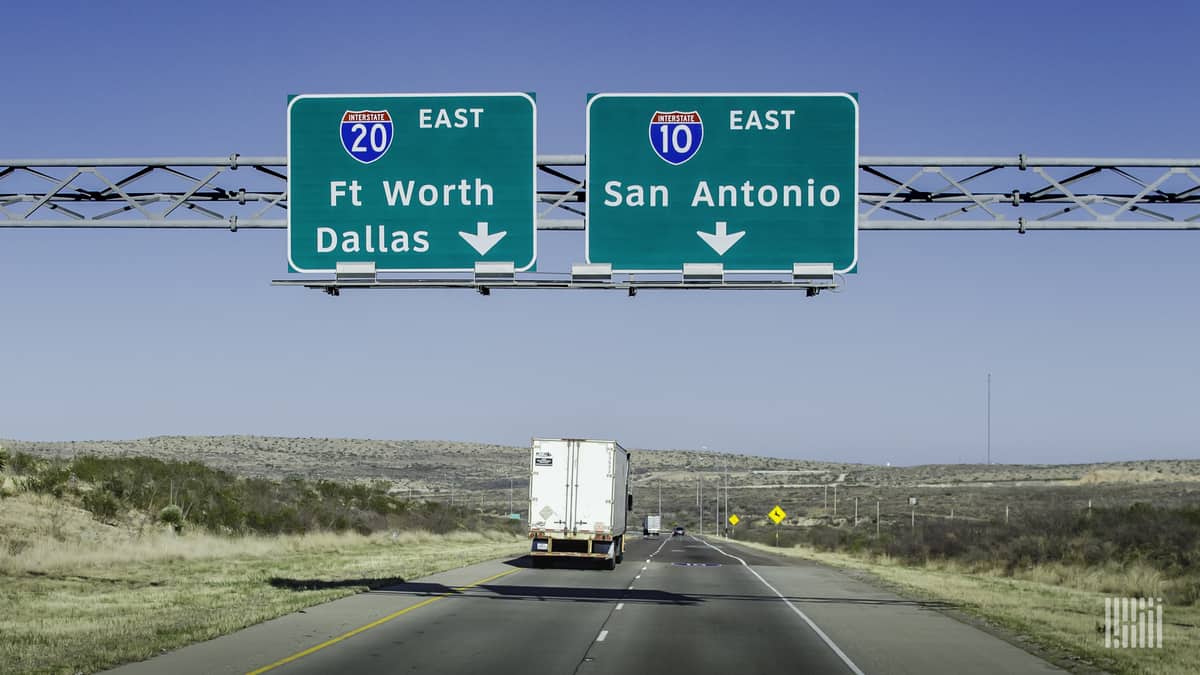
x=411, y=182
x=426, y=152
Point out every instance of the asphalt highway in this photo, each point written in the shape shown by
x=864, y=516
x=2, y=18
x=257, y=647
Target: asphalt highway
x=677, y=605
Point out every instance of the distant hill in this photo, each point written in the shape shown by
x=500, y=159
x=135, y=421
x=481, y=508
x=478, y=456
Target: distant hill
x=437, y=467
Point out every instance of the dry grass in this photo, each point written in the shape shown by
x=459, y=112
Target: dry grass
x=1051, y=605
x=80, y=596
x=1130, y=475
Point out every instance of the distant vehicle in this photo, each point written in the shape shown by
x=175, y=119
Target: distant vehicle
x=652, y=527
x=579, y=500
x=678, y=532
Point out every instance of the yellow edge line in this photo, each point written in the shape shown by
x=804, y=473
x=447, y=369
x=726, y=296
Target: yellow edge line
x=373, y=624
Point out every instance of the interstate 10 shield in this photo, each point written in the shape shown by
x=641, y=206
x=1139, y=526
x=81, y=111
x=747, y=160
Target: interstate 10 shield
x=366, y=134
x=676, y=136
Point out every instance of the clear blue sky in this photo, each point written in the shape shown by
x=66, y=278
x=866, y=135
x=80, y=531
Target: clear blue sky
x=1091, y=337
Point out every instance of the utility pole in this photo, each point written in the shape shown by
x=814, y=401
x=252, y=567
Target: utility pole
x=718, y=521
x=660, y=496
x=700, y=493
x=835, y=500
x=876, y=518
x=825, y=504
x=510, y=490
x=726, y=494
x=989, y=419
x=856, y=511
x=717, y=517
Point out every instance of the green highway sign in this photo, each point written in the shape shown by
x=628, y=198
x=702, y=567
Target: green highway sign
x=756, y=182
x=411, y=182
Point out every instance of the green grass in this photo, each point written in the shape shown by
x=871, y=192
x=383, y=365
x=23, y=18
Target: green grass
x=1054, y=615
x=88, y=597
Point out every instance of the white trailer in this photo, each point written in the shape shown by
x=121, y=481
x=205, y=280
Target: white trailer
x=579, y=500
x=653, y=526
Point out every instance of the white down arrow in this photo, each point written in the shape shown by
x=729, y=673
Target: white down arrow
x=480, y=240
x=722, y=241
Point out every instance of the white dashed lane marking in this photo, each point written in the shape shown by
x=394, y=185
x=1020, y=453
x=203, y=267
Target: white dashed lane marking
x=603, y=634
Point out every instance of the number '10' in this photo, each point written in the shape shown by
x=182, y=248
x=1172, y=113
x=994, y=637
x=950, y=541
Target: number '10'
x=679, y=140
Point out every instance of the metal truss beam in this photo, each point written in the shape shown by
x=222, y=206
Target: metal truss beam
x=895, y=193
x=549, y=282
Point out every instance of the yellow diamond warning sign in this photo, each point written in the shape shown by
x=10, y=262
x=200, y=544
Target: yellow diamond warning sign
x=777, y=514
x=734, y=520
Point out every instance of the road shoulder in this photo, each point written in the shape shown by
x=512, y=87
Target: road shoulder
x=888, y=628
x=269, y=642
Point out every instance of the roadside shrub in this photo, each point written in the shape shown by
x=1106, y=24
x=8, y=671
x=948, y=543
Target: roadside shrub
x=1186, y=592
x=1149, y=546
x=172, y=515
x=103, y=505
x=220, y=502
x=50, y=479
x=381, y=503
x=22, y=464
x=3, y=458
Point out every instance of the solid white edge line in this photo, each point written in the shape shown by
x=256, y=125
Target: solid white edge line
x=811, y=624
x=603, y=634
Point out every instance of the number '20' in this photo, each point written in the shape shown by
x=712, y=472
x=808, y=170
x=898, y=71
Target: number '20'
x=376, y=135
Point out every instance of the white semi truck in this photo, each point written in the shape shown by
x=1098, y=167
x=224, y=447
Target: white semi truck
x=579, y=500
x=653, y=526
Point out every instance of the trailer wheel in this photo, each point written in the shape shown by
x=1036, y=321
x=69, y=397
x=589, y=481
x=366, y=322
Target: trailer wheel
x=620, y=544
x=610, y=564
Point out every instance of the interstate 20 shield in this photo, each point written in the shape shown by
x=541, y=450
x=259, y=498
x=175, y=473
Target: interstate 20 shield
x=366, y=134
x=676, y=136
